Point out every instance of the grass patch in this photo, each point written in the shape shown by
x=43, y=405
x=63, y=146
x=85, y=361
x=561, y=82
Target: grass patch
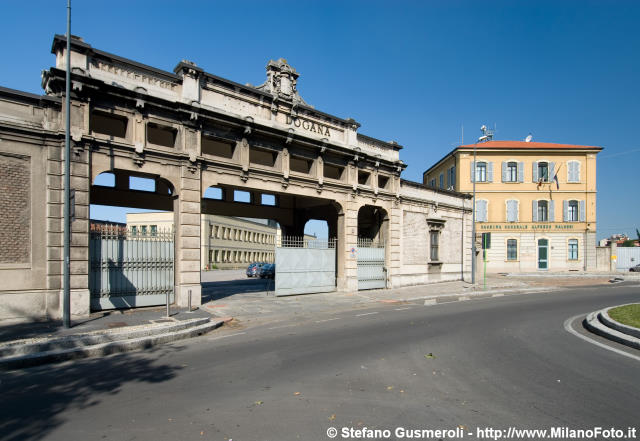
x=627, y=315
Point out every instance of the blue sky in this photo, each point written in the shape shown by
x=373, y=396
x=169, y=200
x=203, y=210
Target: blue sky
x=413, y=72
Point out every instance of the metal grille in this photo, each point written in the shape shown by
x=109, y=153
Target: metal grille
x=130, y=269
x=305, y=242
x=305, y=266
x=372, y=273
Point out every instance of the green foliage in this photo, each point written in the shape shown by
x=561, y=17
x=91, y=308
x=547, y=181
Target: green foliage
x=627, y=315
x=627, y=243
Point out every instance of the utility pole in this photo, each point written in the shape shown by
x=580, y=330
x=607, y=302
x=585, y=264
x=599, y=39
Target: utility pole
x=473, y=222
x=66, y=279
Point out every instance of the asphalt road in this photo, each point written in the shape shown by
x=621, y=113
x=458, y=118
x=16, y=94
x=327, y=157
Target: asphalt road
x=492, y=363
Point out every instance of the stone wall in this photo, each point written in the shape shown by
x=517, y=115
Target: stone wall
x=15, y=222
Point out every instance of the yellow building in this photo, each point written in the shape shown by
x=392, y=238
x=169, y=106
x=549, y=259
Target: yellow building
x=537, y=200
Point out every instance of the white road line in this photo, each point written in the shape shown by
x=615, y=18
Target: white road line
x=430, y=302
x=499, y=294
x=283, y=326
x=568, y=328
x=225, y=336
x=403, y=309
x=327, y=320
x=366, y=313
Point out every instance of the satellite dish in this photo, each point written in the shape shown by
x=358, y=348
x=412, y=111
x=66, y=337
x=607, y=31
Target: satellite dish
x=528, y=138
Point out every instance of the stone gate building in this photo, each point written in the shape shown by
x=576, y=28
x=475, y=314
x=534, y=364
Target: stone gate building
x=189, y=130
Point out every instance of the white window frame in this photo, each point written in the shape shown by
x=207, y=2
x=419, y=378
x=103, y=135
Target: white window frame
x=577, y=249
x=507, y=250
x=481, y=177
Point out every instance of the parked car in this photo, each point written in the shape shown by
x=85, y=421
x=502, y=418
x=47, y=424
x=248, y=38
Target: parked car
x=635, y=269
x=267, y=271
x=254, y=268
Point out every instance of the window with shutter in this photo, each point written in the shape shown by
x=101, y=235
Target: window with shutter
x=534, y=211
x=542, y=172
x=512, y=211
x=481, y=172
x=520, y=171
x=489, y=171
x=481, y=211
x=572, y=211
x=543, y=211
x=573, y=168
x=582, y=212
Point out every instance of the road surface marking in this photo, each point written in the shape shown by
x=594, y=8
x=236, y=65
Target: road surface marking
x=366, y=313
x=225, y=336
x=430, y=302
x=327, y=320
x=403, y=309
x=283, y=326
x=498, y=295
x=568, y=328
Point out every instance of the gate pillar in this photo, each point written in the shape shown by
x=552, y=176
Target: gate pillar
x=187, y=238
x=347, y=247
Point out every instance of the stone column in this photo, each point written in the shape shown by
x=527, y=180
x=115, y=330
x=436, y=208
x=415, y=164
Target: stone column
x=187, y=238
x=348, y=241
x=79, y=250
x=393, y=253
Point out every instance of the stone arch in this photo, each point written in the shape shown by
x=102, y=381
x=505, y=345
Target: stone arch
x=373, y=223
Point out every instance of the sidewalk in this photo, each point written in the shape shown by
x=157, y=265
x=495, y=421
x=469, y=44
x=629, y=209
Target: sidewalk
x=25, y=344
x=264, y=306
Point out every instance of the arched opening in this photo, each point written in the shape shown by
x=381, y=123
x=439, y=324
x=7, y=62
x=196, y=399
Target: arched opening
x=373, y=223
x=373, y=226
x=131, y=243
x=246, y=226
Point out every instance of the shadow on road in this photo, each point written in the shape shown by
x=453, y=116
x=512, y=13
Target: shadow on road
x=34, y=399
x=222, y=289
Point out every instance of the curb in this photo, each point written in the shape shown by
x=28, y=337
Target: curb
x=594, y=323
x=35, y=345
x=107, y=348
x=606, y=319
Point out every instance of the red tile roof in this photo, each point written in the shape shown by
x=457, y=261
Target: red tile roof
x=526, y=145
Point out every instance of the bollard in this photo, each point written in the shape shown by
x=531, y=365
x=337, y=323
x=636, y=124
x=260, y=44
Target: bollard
x=168, y=312
x=189, y=301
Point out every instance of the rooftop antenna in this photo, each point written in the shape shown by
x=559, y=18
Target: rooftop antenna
x=528, y=138
x=487, y=134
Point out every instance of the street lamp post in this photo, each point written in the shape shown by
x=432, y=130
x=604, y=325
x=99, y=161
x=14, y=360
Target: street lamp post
x=473, y=222
x=66, y=282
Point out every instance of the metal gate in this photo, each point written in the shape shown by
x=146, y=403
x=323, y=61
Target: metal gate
x=305, y=266
x=627, y=257
x=372, y=272
x=129, y=270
